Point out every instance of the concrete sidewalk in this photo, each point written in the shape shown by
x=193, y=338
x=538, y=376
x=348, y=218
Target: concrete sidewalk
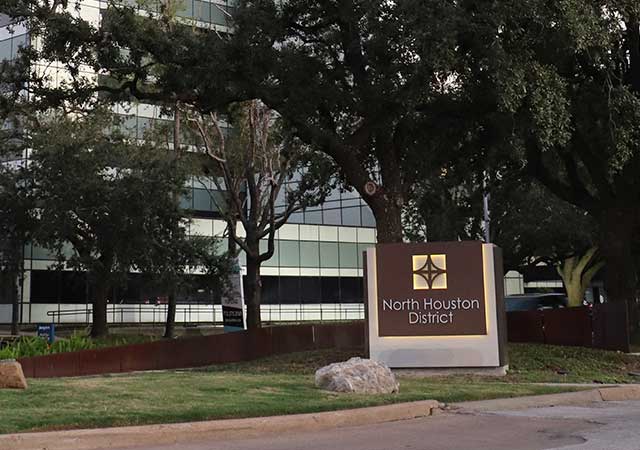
x=602, y=394
x=184, y=433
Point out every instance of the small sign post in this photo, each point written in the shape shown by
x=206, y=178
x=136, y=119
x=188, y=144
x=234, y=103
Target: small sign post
x=47, y=331
x=233, y=303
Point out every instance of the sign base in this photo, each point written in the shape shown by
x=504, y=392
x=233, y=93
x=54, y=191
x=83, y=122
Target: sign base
x=445, y=372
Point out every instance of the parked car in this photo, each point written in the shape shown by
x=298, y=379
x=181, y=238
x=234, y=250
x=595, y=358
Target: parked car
x=535, y=301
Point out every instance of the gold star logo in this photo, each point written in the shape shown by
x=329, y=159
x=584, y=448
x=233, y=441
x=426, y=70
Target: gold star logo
x=429, y=272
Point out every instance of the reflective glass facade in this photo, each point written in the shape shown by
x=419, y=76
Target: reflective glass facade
x=318, y=256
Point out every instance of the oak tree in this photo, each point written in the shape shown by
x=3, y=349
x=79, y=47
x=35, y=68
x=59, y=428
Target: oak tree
x=104, y=202
x=564, y=83
x=360, y=80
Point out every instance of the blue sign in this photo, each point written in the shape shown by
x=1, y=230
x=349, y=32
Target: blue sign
x=47, y=331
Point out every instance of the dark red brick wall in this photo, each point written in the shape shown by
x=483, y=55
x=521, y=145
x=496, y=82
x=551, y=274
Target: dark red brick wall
x=603, y=326
x=197, y=351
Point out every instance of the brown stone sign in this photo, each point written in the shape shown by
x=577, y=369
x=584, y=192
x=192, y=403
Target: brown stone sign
x=431, y=289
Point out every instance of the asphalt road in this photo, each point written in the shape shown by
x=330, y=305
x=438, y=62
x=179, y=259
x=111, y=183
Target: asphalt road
x=598, y=426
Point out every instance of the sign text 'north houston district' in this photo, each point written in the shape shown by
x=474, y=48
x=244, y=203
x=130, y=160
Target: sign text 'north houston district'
x=430, y=311
x=434, y=289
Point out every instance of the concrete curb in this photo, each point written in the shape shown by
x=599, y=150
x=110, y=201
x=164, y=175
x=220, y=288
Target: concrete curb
x=614, y=393
x=180, y=433
x=108, y=438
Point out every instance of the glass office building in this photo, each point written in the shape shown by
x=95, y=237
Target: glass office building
x=315, y=272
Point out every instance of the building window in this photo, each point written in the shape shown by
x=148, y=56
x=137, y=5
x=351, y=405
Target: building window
x=309, y=254
x=348, y=255
x=289, y=253
x=329, y=255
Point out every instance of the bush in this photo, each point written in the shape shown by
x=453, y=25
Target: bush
x=35, y=346
x=28, y=346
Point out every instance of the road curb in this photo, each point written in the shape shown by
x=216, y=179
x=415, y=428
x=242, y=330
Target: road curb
x=613, y=393
x=180, y=433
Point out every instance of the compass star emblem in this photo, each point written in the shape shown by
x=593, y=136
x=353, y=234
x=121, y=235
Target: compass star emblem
x=429, y=272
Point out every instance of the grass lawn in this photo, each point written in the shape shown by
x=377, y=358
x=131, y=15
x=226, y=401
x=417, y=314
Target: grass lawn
x=545, y=363
x=198, y=395
x=275, y=385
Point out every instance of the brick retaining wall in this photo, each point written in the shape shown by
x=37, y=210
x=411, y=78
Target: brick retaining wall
x=196, y=351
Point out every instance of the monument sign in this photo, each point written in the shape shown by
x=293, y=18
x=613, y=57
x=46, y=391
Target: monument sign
x=436, y=304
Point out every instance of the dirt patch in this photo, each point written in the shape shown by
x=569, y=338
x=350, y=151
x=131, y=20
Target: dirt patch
x=87, y=383
x=93, y=382
x=632, y=363
x=265, y=390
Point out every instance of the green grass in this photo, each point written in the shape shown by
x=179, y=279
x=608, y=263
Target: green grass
x=164, y=397
x=528, y=363
x=113, y=340
x=541, y=363
x=277, y=385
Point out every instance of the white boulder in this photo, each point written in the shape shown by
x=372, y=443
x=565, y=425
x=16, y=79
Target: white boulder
x=357, y=375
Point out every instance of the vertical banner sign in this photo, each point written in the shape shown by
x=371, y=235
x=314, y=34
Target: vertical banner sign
x=233, y=303
x=436, y=304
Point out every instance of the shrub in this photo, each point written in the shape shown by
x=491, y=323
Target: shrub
x=35, y=346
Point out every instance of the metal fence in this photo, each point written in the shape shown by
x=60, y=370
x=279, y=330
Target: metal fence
x=34, y=313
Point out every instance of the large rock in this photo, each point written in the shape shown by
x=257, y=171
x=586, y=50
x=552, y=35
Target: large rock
x=11, y=375
x=362, y=376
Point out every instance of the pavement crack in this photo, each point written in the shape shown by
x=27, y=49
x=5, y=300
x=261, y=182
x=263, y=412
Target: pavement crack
x=595, y=422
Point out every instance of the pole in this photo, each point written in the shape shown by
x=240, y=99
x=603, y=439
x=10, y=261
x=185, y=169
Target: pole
x=485, y=208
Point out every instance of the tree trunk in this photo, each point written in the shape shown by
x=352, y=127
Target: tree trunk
x=253, y=290
x=571, y=278
x=618, y=230
x=99, y=326
x=11, y=279
x=388, y=200
x=387, y=211
x=170, y=325
x=232, y=245
x=15, y=301
x=577, y=272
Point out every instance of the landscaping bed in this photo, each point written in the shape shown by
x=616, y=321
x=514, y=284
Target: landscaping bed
x=28, y=346
x=281, y=384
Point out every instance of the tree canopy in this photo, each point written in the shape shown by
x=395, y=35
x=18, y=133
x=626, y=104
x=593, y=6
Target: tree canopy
x=394, y=90
x=527, y=221
x=368, y=82
x=106, y=204
x=564, y=83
